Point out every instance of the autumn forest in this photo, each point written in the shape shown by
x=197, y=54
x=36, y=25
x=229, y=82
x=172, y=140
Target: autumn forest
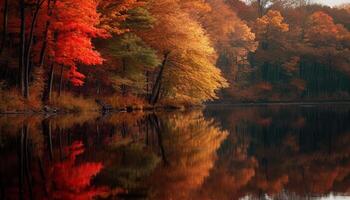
x=174, y=100
x=80, y=55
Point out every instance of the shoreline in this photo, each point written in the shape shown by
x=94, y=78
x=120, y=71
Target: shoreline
x=267, y=103
x=173, y=107
x=55, y=111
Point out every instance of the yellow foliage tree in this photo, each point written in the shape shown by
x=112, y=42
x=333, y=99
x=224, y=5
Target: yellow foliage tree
x=188, y=72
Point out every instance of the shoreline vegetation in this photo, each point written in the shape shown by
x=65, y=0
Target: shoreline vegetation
x=68, y=103
x=79, y=105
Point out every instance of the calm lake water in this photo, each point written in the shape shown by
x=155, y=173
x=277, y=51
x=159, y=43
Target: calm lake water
x=262, y=152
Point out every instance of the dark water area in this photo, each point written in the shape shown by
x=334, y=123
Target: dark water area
x=262, y=152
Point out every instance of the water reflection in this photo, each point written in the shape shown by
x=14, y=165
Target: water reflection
x=226, y=153
x=190, y=143
x=282, y=152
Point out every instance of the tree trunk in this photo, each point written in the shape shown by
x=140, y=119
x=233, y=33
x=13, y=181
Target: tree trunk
x=157, y=85
x=44, y=45
x=22, y=48
x=29, y=46
x=61, y=82
x=157, y=95
x=48, y=89
x=260, y=8
x=4, y=28
x=123, y=86
x=51, y=81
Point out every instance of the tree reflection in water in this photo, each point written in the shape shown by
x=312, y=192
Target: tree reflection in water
x=301, y=153
x=190, y=143
x=280, y=152
x=70, y=180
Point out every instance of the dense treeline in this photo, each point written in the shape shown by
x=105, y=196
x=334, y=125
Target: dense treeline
x=302, y=53
x=169, y=52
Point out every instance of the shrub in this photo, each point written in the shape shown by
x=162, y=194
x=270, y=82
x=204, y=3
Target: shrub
x=123, y=102
x=72, y=103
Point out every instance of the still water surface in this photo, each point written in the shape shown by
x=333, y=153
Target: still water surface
x=265, y=152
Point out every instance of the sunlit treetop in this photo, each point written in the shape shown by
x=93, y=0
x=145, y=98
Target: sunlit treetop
x=322, y=30
x=272, y=20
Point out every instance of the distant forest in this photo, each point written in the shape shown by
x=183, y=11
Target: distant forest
x=71, y=54
x=301, y=53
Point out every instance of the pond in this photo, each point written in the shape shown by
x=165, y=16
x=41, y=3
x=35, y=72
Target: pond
x=219, y=153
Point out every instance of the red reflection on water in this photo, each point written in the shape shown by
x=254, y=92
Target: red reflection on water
x=69, y=180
